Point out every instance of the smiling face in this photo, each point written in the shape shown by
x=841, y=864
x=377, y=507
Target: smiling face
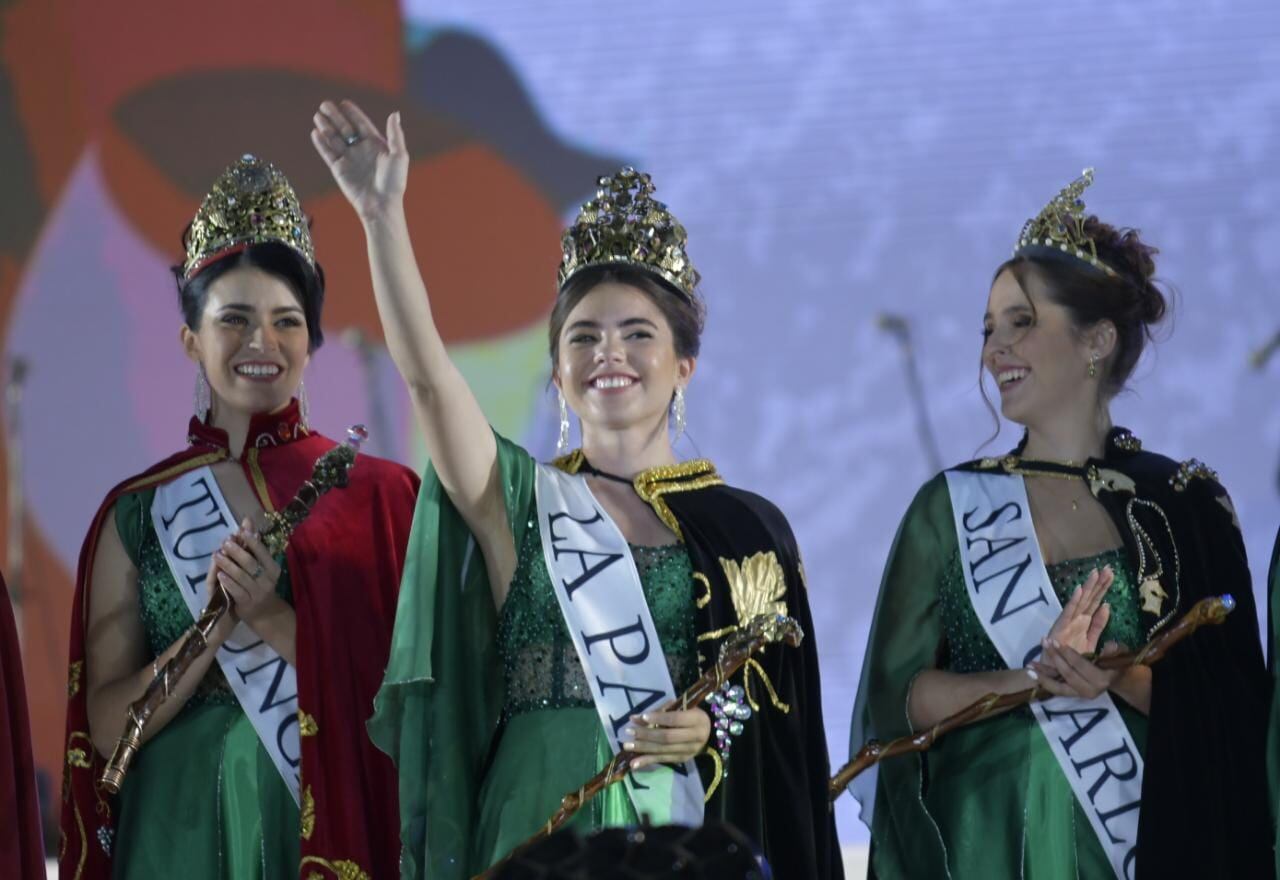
x=1036, y=354
x=252, y=341
x=617, y=365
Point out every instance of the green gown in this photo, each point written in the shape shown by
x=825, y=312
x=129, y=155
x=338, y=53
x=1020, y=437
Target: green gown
x=551, y=740
x=487, y=715
x=202, y=798
x=988, y=800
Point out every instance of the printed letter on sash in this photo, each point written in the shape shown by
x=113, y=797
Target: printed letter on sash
x=599, y=591
x=1009, y=587
x=192, y=520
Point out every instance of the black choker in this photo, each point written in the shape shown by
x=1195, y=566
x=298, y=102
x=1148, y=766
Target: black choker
x=588, y=468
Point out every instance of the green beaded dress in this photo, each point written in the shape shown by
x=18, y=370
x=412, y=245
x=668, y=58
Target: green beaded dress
x=988, y=800
x=202, y=798
x=488, y=715
x=551, y=740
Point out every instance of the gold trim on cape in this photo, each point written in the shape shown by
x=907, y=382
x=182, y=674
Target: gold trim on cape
x=344, y=869
x=259, y=481
x=655, y=482
x=308, y=815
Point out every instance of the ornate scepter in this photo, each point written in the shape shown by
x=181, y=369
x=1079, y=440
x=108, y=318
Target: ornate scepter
x=331, y=471
x=1213, y=610
x=765, y=629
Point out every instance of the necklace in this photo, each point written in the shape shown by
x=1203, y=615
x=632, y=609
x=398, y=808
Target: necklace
x=1061, y=470
x=588, y=468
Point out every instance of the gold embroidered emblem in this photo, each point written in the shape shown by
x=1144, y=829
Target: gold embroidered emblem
x=307, y=724
x=73, y=682
x=1108, y=480
x=1152, y=595
x=705, y=599
x=757, y=585
x=343, y=869
x=308, y=813
x=753, y=666
x=77, y=758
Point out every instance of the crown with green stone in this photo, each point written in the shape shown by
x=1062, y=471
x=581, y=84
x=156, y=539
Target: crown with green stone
x=1060, y=226
x=625, y=225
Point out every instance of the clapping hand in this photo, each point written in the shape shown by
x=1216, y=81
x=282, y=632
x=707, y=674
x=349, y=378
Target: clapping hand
x=1085, y=616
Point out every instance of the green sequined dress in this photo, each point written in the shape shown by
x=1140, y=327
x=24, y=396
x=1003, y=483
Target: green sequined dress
x=551, y=740
x=202, y=798
x=988, y=800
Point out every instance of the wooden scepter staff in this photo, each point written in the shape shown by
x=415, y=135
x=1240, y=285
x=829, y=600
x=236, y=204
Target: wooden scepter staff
x=331, y=471
x=1212, y=610
x=765, y=629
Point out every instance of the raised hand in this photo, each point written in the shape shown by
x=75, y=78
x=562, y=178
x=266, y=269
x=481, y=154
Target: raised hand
x=371, y=169
x=1085, y=616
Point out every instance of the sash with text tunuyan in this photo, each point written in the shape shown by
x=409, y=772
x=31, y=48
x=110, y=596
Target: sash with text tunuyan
x=192, y=520
x=596, y=583
x=1009, y=587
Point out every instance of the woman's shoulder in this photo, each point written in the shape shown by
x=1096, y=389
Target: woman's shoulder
x=933, y=498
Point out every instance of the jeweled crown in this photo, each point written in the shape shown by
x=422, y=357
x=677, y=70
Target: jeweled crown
x=625, y=225
x=1060, y=226
x=252, y=202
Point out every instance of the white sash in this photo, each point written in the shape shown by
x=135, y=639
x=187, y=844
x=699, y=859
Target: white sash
x=1011, y=592
x=192, y=520
x=598, y=588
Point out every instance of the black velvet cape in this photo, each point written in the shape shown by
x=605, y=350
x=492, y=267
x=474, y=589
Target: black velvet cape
x=775, y=787
x=1205, y=805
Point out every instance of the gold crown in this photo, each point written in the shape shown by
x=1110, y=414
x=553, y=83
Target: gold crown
x=624, y=224
x=250, y=203
x=1060, y=226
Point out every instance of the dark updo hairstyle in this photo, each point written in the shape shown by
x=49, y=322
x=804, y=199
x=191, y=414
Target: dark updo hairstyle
x=273, y=258
x=686, y=316
x=1130, y=299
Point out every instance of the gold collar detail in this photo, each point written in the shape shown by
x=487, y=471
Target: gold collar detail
x=652, y=484
x=1099, y=479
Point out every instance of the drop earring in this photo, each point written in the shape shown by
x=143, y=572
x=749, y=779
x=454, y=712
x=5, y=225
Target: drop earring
x=1093, y=365
x=202, y=399
x=304, y=405
x=562, y=442
x=677, y=410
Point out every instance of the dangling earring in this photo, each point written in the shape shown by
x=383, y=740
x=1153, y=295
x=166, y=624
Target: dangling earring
x=1093, y=365
x=562, y=443
x=677, y=410
x=202, y=399
x=304, y=406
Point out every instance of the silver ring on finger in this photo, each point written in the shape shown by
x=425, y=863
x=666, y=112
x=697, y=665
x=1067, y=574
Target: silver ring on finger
x=257, y=573
x=351, y=140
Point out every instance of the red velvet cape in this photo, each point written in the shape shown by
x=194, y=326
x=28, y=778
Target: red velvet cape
x=344, y=565
x=21, y=848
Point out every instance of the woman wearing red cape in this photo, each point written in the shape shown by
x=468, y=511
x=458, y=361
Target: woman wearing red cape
x=257, y=765
x=21, y=850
